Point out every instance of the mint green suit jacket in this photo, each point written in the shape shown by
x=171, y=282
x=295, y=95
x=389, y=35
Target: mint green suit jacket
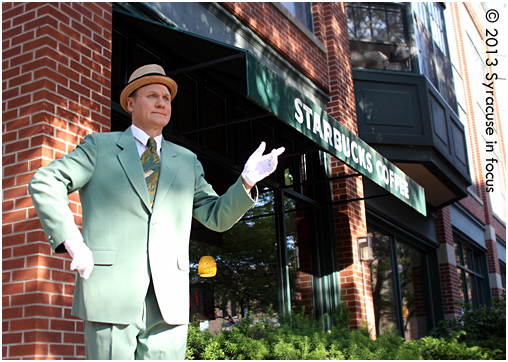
x=129, y=241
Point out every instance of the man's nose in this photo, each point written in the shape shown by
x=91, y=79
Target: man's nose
x=159, y=103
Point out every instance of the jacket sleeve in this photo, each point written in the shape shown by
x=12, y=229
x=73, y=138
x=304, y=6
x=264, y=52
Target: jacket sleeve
x=219, y=213
x=51, y=185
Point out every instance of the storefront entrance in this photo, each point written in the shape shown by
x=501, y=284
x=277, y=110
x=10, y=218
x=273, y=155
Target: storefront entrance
x=281, y=255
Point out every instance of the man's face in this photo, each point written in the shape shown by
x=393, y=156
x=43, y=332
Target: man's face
x=150, y=108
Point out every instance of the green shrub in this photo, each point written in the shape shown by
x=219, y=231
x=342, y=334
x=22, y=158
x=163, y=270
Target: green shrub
x=300, y=336
x=450, y=348
x=483, y=327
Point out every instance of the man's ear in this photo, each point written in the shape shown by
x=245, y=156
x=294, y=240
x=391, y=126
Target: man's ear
x=130, y=102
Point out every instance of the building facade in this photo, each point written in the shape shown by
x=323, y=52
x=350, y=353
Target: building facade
x=377, y=110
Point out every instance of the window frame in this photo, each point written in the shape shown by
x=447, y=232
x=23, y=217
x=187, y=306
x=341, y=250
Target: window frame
x=476, y=269
x=430, y=267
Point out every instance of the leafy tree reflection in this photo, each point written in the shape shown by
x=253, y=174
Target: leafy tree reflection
x=246, y=258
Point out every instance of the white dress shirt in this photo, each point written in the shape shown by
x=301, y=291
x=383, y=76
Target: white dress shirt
x=142, y=139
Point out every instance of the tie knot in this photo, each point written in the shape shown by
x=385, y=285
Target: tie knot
x=151, y=143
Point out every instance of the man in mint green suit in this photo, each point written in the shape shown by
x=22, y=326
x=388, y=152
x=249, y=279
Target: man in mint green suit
x=133, y=254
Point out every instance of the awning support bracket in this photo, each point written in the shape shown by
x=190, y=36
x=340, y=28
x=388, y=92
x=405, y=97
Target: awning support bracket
x=357, y=199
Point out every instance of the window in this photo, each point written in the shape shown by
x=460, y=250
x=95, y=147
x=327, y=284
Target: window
x=433, y=59
x=471, y=269
x=502, y=266
x=399, y=286
x=302, y=11
x=378, y=36
x=431, y=16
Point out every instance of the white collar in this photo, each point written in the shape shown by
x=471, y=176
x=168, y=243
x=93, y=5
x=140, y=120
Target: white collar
x=142, y=137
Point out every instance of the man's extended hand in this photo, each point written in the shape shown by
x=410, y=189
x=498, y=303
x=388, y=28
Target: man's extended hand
x=82, y=259
x=258, y=166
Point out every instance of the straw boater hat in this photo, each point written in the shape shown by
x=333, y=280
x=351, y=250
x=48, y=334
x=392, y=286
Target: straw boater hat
x=147, y=74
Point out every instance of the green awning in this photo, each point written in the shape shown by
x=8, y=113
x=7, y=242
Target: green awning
x=241, y=71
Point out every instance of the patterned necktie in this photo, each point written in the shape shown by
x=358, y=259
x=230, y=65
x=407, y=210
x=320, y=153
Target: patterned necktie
x=151, y=166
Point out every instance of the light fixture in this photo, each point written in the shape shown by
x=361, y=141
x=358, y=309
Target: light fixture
x=365, y=248
x=207, y=267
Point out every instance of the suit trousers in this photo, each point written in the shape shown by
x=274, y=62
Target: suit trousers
x=148, y=337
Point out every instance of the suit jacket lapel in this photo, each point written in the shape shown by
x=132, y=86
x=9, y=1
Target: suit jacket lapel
x=131, y=163
x=169, y=169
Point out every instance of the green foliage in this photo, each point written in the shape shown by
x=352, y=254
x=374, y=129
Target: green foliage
x=300, y=336
x=450, y=348
x=483, y=327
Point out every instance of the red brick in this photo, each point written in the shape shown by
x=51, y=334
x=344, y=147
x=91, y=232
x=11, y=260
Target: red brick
x=10, y=11
x=28, y=350
x=67, y=115
x=27, y=225
x=16, y=146
x=51, y=74
x=12, y=288
x=43, y=286
x=63, y=325
x=24, y=179
x=26, y=324
x=23, y=18
x=14, y=170
x=12, y=338
x=39, y=84
x=21, y=79
x=44, y=20
x=63, y=276
x=43, y=311
x=43, y=337
x=61, y=349
x=52, y=32
x=83, y=91
x=10, y=93
x=19, y=122
x=74, y=338
x=90, y=84
x=18, y=263
x=62, y=300
x=8, y=205
x=54, y=54
x=45, y=261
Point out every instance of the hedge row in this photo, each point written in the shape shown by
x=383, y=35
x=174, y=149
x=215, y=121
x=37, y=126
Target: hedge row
x=302, y=337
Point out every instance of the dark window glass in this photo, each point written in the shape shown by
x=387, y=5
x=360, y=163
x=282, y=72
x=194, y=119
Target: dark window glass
x=471, y=269
x=383, y=290
x=399, y=286
x=409, y=262
x=378, y=36
x=302, y=11
x=431, y=41
x=502, y=266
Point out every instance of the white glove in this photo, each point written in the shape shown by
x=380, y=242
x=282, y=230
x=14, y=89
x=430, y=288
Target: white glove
x=259, y=166
x=82, y=259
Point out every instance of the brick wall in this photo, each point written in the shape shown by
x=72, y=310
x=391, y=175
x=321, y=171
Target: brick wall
x=276, y=30
x=448, y=268
x=480, y=208
x=350, y=221
x=56, y=89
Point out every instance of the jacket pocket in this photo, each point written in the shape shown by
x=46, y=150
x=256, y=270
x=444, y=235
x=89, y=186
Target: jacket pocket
x=183, y=262
x=104, y=257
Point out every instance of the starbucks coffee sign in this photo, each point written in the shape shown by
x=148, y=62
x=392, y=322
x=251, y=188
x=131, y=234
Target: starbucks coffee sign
x=286, y=103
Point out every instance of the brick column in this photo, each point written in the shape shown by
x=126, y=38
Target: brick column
x=448, y=264
x=350, y=220
x=56, y=89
